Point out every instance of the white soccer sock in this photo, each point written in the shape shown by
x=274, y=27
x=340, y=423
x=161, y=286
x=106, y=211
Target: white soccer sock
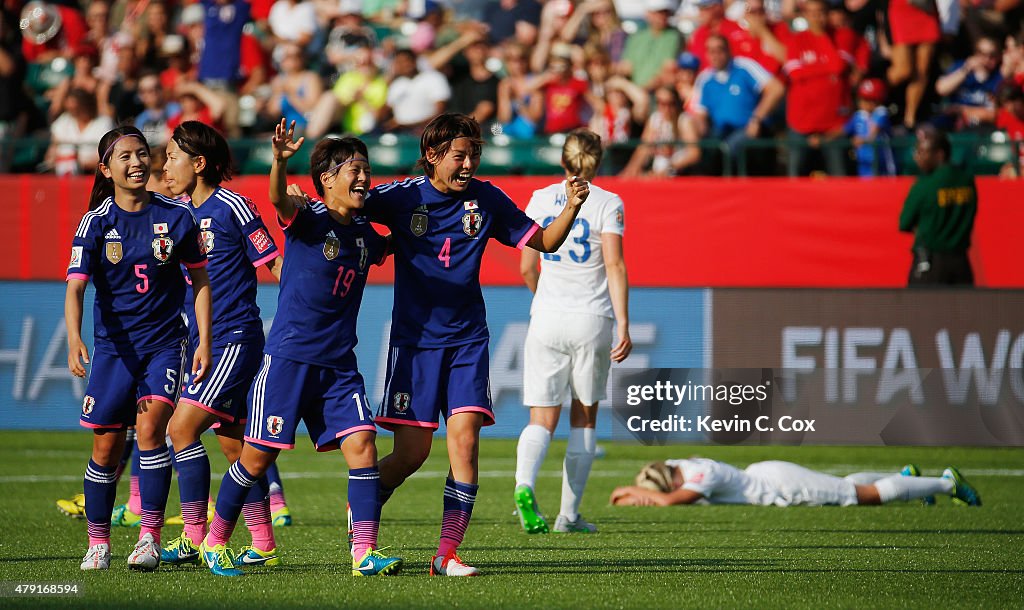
x=867, y=478
x=533, y=446
x=579, y=457
x=898, y=487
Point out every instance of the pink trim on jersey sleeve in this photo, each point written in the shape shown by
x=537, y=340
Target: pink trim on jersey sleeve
x=389, y=423
x=198, y=265
x=163, y=399
x=284, y=223
x=78, y=276
x=259, y=441
x=91, y=426
x=208, y=409
x=266, y=259
x=488, y=415
x=529, y=234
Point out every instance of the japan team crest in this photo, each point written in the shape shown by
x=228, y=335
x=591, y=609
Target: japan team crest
x=162, y=248
x=275, y=424
x=472, y=222
x=332, y=246
x=114, y=252
x=206, y=241
x=88, y=404
x=402, y=401
x=418, y=225
x=363, y=253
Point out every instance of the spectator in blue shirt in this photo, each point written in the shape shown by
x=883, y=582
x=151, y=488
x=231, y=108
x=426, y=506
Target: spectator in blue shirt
x=732, y=96
x=871, y=130
x=221, y=59
x=970, y=87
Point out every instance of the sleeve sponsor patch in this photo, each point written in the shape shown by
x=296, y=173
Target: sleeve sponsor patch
x=76, y=257
x=260, y=240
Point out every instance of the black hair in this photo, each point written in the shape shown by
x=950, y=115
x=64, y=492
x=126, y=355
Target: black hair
x=329, y=153
x=200, y=140
x=441, y=131
x=103, y=187
x=937, y=139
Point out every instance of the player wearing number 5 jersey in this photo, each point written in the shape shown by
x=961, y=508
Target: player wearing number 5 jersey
x=131, y=244
x=580, y=291
x=309, y=370
x=438, y=364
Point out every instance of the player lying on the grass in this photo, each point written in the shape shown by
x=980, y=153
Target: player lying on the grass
x=438, y=365
x=777, y=483
x=580, y=293
x=131, y=244
x=236, y=243
x=309, y=370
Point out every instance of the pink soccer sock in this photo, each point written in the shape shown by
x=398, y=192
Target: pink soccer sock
x=135, y=496
x=99, y=533
x=220, y=531
x=276, y=499
x=257, y=519
x=194, y=516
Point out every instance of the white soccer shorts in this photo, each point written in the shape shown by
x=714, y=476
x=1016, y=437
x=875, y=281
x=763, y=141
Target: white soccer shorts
x=566, y=355
x=795, y=485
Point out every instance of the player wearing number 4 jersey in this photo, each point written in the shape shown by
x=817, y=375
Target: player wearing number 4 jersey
x=236, y=242
x=580, y=291
x=438, y=362
x=131, y=244
x=309, y=368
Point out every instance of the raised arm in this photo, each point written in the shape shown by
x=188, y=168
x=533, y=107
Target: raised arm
x=550, y=238
x=284, y=148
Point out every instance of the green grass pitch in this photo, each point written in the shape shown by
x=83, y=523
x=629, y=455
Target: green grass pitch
x=895, y=556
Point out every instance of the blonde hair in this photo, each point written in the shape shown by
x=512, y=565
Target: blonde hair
x=581, y=154
x=656, y=476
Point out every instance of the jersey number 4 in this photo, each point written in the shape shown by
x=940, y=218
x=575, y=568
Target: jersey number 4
x=580, y=235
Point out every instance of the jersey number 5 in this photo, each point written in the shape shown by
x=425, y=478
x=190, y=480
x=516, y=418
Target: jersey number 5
x=140, y=272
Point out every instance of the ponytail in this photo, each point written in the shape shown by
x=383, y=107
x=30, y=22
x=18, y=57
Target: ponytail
x=581, y=154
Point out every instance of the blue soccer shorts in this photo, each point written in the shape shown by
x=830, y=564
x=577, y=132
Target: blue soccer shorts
x=331, y=402
x=224, y=390
x=119, y=382
x=423, y=383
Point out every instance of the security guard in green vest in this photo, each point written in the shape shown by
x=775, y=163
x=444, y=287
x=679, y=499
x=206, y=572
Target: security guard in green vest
x=939, y=210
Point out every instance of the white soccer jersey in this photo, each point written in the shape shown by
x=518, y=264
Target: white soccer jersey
x=718, y=482
x=573, y=279
x=764, y=483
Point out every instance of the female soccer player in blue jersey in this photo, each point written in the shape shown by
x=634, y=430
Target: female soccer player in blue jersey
x=131, y=244
x=236, y=243
x=309, y=370
x=438, y=361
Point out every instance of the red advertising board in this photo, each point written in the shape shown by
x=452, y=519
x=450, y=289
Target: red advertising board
x=744, y=232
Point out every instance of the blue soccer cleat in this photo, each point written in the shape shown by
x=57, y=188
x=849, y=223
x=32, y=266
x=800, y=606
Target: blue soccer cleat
x=375, y=563
x=282, y=517
x=911, y=470
x=250, y=556
x=963, y=492
x=180, y=551
x=219, y=559
x=122, y=516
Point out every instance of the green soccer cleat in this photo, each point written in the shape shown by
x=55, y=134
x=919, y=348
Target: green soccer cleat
x=74, y=508
x=180, y=551
x=123, y=517
x=219, y=559
x=911, y=470
x=250, y=556
x=282, y=517
x=529, y=515
x=963, y=492
x=375, y=563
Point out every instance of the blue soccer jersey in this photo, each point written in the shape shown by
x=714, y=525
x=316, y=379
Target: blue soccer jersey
x=133, y=259
x=236, y=243
x=322, y=283
x=439, y=240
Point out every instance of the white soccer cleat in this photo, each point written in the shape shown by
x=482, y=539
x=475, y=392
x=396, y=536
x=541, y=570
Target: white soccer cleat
x=451, y=565
x=97, y=557
x=580, y=525
x=146, y=555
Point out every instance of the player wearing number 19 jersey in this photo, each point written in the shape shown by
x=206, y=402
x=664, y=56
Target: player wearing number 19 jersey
x=438, y=360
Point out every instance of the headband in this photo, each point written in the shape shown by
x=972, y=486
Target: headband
x=106, y=154
x=335, y=168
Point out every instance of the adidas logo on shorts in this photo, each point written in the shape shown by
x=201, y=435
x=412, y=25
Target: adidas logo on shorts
x=112, y=234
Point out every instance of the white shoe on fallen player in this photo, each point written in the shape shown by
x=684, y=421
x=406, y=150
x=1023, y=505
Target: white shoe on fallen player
x=97, y=557
x=580, y=525
x=451, y=565
x=146, y=555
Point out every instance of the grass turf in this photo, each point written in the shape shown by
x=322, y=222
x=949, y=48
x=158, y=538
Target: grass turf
x=902, y=555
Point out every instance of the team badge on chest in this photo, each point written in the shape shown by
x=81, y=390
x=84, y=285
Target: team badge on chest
x=206, y=241
x=332, y=246
x=472, y=222
x=363, y=253
x=114, y=252
x=418, y=224
x=162, y=248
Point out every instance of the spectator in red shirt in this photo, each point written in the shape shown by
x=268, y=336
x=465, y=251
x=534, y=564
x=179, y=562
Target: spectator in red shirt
x=818, y=63
x=1010, y=120
x=759, y=42
x=49, y=31
x=560, y=92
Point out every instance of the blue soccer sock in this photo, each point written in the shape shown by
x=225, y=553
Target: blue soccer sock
x=100, y=488
x=155, y=485
x=363, y=500
x=193, y=466
x=127, y=452
x=234, y=489
x=276, y=489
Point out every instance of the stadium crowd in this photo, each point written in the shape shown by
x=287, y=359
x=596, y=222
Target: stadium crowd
x=658, y=80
